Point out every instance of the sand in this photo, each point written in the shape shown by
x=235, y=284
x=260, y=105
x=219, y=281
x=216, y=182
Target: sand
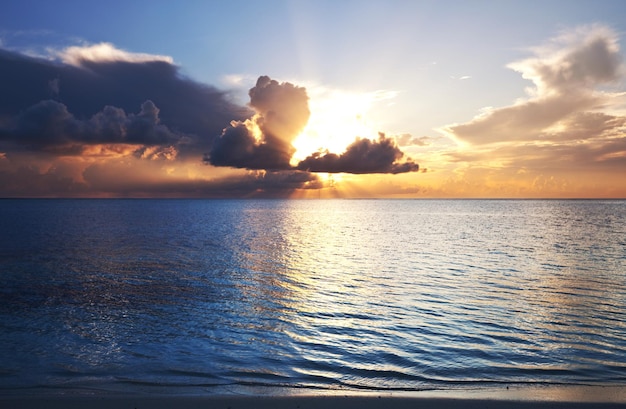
x=535, y=397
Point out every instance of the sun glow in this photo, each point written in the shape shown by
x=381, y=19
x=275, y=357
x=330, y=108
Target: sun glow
x=337, y=119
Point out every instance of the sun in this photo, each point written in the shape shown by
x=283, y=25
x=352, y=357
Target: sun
x=337, y=119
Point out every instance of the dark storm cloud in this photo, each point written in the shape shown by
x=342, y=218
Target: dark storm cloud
x=49, y=126
x=265, y=141
x=98, y=121
x=362, y=156
x=237, y=147
x=91, y=93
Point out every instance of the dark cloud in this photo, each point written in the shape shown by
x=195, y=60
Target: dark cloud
x=265, y=141
x=60, y=108
x=93, y=96
x=362, y=156
x=98, y=121
x=237, y=147
x=49, y=126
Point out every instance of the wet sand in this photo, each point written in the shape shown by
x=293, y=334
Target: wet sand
x=527, y=397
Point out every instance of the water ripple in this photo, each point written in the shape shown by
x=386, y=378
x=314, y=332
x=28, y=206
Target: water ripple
x=324, y=294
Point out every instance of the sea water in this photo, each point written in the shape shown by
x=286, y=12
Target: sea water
x=214, y=295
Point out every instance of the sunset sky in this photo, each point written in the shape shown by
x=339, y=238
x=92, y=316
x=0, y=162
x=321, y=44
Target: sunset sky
x=313, y=99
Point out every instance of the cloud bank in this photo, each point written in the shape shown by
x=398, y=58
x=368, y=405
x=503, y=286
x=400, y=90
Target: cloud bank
x=97, y=120
x=568, y=122
x=91, y=96
x=101, y=121
x=566, y=75
x=49, y=126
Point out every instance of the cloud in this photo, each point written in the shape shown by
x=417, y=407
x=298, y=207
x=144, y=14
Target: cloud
x=566, y=74
x=407, y=139
x=96, y=86
x=569, y=127
x=136, y=177
x=49, y=126
x=526, y=121
x=106, y=52
x=265, y=140
x=569, y=116
x=575, y=61
x=99, y=121
x=96, y=121
x=362, y=156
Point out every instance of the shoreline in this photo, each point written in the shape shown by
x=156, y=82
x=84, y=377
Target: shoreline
x=513, y=397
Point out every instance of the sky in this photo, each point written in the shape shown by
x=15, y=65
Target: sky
x=313, y=99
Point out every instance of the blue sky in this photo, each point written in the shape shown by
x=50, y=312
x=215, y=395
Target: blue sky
x=418, y=65
x=353, y=44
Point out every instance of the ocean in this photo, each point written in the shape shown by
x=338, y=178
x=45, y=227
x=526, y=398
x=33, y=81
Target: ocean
x=214, y=296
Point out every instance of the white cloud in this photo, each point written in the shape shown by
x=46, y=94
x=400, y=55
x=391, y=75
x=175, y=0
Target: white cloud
x=462, y=78
x=105, y=52
x=567, y=74
x=235, y=80
x=584, y=57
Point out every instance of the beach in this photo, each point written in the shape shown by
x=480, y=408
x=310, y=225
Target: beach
x=524, y=397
